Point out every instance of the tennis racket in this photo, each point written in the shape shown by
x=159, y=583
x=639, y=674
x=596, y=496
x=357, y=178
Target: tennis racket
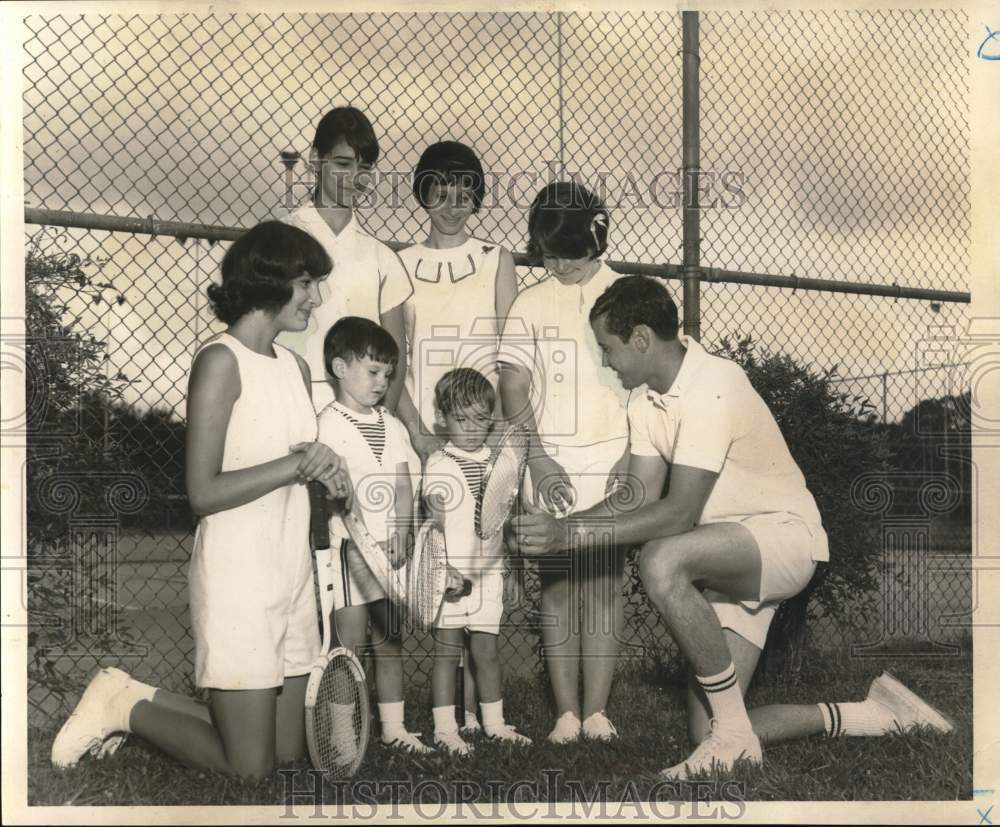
x=336, y=707
x=427, y=576
x=501, y=482
x=393, y=580
x=499, y=494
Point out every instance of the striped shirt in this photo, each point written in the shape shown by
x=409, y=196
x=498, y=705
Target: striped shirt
x=373, y=432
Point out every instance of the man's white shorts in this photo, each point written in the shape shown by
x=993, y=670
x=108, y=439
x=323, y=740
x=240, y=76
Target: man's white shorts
x=354, y=584
x=478, y=611
x=786, y=546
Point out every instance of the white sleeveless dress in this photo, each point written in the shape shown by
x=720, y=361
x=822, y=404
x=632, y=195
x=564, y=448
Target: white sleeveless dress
x=451, y=316
x=250, y=580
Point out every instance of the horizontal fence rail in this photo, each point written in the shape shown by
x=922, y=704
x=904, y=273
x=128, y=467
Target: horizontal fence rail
x=183, y=231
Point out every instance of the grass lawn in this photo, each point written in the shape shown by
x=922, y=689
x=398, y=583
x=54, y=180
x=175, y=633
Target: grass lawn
x=647, y=709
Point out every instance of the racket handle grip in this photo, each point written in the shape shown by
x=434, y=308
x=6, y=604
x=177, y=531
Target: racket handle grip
x=319, y=527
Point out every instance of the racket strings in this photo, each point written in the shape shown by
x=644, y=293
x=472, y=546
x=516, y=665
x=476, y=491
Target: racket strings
x=501, y=483
x=340, y=720
x=428, y=577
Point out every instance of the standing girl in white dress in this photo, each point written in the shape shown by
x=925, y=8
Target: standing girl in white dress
x=250, y=450
x=371, y=281
x=553, y=381
x=462, y=287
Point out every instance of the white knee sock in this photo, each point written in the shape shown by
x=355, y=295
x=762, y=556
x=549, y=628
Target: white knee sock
x=725, y=699
x=862, y=718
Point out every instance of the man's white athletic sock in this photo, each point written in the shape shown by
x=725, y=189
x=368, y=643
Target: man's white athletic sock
x=726, y=699
x=862, y=718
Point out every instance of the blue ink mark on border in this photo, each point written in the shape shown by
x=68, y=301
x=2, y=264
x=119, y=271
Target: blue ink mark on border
x=983, y=792
x=990, y=35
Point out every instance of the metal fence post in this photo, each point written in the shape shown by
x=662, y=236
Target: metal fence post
x=691, y=266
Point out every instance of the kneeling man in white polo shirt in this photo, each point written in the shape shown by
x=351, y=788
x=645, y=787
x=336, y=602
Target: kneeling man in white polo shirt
x=736, y=533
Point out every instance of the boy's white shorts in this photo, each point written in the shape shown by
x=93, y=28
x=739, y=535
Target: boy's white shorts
x=480, y=610
x=786, y=546
x=354, y=584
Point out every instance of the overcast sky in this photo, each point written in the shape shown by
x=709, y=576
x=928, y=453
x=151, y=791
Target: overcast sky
x=843, y=136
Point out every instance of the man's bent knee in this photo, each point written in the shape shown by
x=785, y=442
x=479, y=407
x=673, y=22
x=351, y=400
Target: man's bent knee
x=659, y=565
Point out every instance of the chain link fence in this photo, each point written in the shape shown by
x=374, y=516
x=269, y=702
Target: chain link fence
x=834, y=146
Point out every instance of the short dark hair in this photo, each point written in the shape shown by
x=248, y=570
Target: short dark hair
x=635, y=300
x=345, y=123
x=462, y=388
x=354, y=337
x=568, y=221
x=259, y=267
x=449, y=162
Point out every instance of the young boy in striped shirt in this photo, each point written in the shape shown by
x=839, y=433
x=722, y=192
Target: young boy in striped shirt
x=361, y=357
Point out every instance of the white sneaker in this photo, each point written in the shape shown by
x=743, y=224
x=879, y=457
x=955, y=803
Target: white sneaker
x=471, y=726
x=907, y=709
x=717, y=754
x=408, y=741
x=567, y=729
x=507, y=733
x=452, y=742
x=599, y=728
x=94, y=719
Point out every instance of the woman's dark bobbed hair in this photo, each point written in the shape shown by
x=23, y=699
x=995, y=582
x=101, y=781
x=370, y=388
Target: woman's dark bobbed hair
x=567, y=221
x=449, y=162
x=258, y=269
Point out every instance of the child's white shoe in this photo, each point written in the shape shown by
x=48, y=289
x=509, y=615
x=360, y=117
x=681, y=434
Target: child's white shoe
x=407, y=741
x=567, y=729
x=96, y=716
x=452, y=742
x=507, y=733
x=598, y=728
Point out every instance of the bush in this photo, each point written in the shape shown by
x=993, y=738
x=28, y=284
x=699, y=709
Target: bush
x=834, y=437
x=69, y=467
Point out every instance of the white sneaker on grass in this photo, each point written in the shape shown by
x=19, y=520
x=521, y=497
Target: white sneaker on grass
x=96, y=716
x=717, y=754
x=407, y=741
x=598, y=728
x=567, y=729
x=507, y=733
x=908, y=710
x=452, y=742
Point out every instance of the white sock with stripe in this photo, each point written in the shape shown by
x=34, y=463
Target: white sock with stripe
x=862, y=718
x=725, y=699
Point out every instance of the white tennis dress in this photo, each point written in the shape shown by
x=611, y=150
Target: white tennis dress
x=250, y=580
x=451, y=316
